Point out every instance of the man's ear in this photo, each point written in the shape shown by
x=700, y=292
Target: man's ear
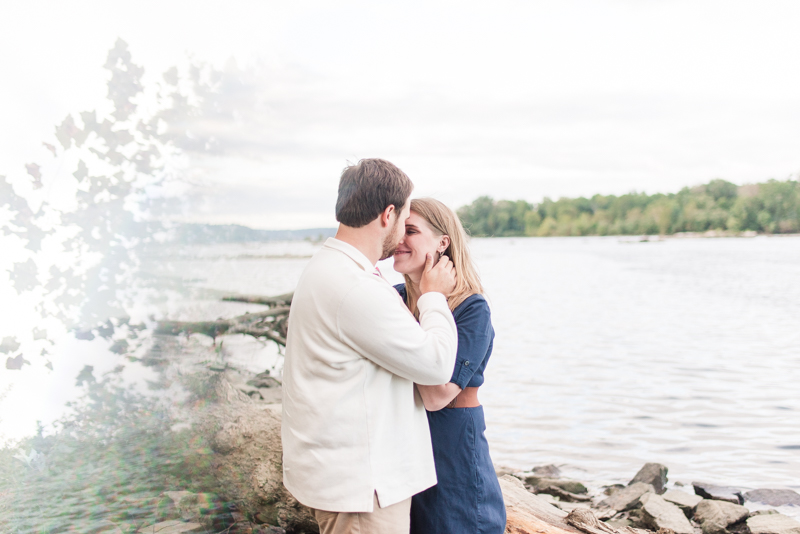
x=444, y=242
x=387, y=214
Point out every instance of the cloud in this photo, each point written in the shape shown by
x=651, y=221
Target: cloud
x=516, y=100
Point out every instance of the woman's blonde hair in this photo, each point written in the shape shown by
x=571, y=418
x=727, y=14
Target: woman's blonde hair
x=443, y=221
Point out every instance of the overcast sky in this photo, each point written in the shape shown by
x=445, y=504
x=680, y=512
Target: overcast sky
x=513, y=99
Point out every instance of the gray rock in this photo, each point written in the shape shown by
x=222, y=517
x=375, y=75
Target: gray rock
x=246, y=438
x=718, y=493
x=548, y=471
x=635, y=516
x=658, y=513
x=565, y=495
x=653, y=474
x=612, y=489
x=263, y=380
x=619, y=523
x=773, y=497
x=773, y=524
x=716, y=516
x=684, y=501
x=540, y=484
x=604, y=514
x=626, y=498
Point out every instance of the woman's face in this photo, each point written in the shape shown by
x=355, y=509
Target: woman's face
x=419, y=240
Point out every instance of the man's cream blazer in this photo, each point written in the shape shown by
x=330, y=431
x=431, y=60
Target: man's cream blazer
x=353, y=424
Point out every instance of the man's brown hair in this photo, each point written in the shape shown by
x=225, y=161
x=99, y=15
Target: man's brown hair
x=369, y=187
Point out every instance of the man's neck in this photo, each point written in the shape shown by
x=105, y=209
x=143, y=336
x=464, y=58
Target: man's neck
x=364, y=239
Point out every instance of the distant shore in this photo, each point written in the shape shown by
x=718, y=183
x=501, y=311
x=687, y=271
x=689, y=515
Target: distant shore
x=210, y=234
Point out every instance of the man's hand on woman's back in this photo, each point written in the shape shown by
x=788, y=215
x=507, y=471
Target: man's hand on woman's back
x=440, y=278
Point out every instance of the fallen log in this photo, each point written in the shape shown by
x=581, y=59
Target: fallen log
x=271, y=324
x=285, y=299
x=530, y=514
x=527, y=513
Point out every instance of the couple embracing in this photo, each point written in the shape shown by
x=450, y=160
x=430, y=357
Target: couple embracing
x=382, y=429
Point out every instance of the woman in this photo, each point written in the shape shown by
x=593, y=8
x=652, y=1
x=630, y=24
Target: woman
x=467, y=498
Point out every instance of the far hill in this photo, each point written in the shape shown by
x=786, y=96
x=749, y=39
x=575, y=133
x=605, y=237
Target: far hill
x=204, y=234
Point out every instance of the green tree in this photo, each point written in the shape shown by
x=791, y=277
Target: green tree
x=771, y=207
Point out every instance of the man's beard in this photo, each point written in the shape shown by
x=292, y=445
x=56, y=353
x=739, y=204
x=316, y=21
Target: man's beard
x=390, y=242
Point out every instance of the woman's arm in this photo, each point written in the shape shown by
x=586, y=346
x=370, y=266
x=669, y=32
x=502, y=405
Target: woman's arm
x=437, y=397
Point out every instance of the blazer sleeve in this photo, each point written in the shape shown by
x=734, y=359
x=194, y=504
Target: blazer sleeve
x=374, y=322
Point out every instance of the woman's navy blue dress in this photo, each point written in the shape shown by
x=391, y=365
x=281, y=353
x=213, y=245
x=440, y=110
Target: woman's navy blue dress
x=467, y=498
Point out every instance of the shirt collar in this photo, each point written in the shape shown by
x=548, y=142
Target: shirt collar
x=351, y=251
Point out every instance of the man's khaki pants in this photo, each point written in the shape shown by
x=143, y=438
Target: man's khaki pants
x=394, y=519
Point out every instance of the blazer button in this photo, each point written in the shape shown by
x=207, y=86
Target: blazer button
x=466, y=363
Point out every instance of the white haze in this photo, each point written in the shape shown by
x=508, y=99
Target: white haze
x=510, y=99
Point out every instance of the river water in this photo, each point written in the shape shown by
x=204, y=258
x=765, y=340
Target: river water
x=612, y=352
x=609, y=353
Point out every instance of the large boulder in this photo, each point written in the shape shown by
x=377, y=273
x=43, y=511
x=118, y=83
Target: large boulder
x=718, y=493
x=773, y=524
x=626, y=498
x=773, y=497
x=685, y=501
x=245, y=437
x=659, y=514
x=716, y=516
x=653, y=474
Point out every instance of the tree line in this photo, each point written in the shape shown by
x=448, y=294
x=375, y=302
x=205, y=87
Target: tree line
x=771, y=207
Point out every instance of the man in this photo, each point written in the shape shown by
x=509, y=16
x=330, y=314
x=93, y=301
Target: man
x=356, y=443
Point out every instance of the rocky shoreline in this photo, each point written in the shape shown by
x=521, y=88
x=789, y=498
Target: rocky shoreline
x=244, y=430
x=212, y=465
x=645, y=504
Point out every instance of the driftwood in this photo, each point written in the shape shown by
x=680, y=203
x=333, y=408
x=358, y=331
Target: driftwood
x=530, y=514
x=285, y=299
x=585, y=520
x=270, y=324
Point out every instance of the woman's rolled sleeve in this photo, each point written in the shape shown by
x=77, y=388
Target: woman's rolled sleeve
x=475, y=336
